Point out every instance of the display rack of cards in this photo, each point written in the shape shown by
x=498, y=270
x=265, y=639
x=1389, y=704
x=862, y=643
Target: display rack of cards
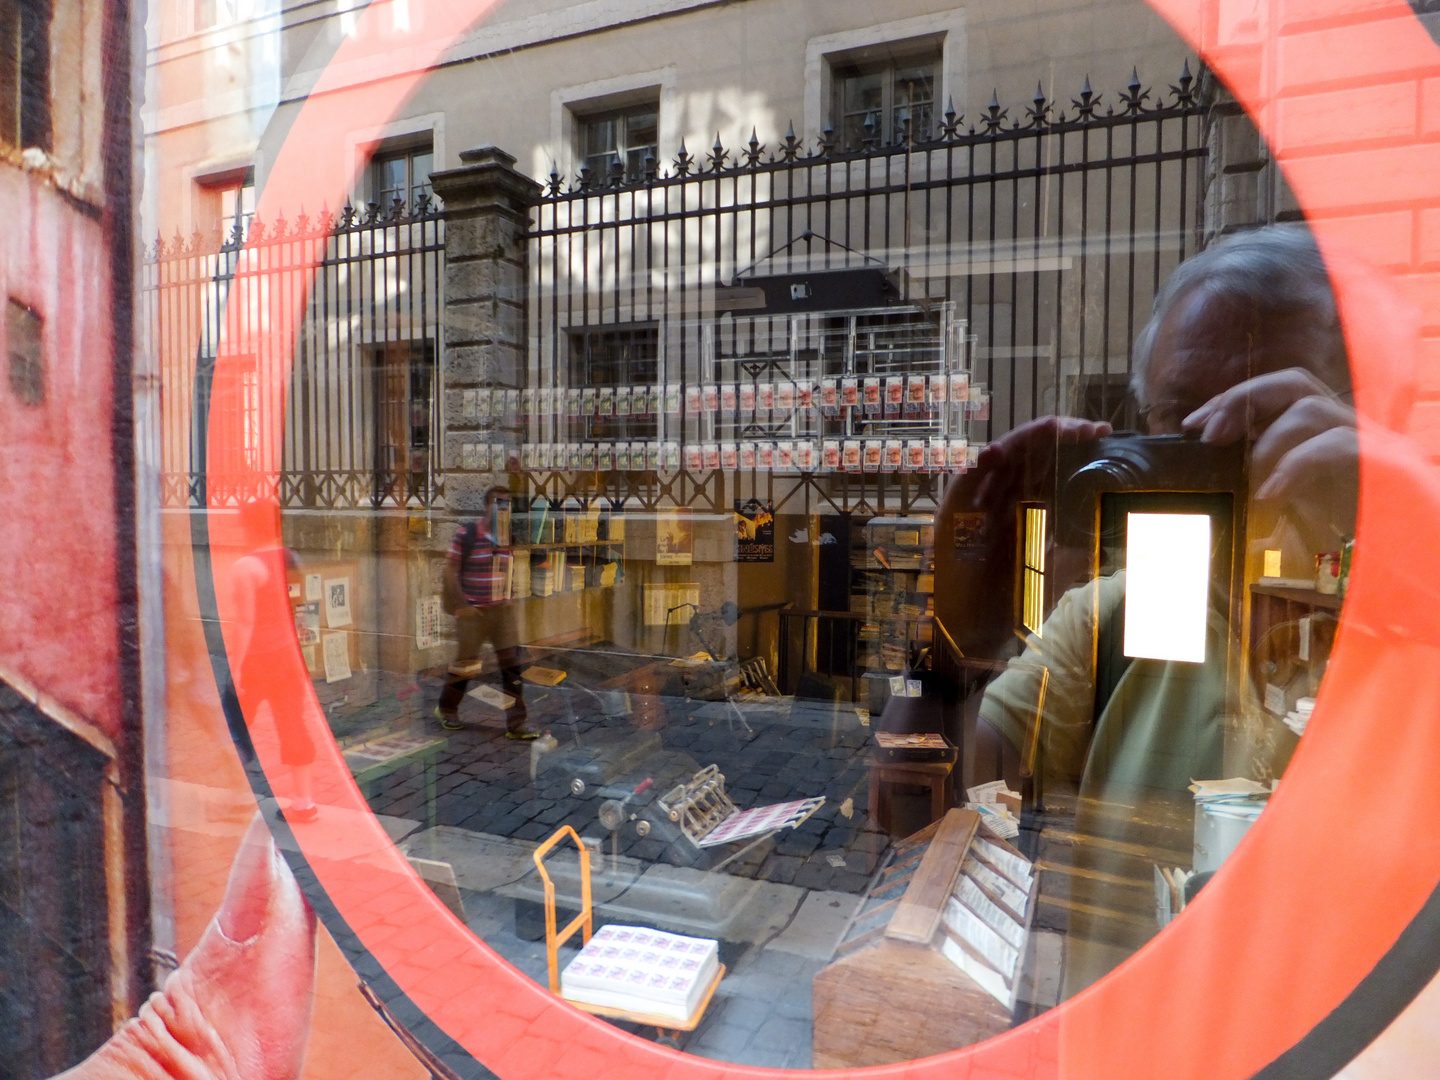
x=883, y=390
x=931, y=959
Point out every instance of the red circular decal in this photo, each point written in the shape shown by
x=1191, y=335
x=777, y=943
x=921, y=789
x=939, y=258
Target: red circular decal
x=1318, y=891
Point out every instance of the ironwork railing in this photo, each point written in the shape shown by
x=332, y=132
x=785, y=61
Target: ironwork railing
x=362, y=418
x=1050, y=231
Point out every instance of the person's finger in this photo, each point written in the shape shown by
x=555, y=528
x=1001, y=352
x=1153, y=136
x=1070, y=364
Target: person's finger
x=1318, y=479
x=1304, y=420
x=239, y=1007
x=1249, y=407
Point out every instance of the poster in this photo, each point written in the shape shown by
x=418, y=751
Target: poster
x=307, y=623
x=427, y=622
x=314, y=590
x=337, y=657
x=670, y=603
x=754, y=531
x=971, y=540
x=337, y=602
x=674, y=537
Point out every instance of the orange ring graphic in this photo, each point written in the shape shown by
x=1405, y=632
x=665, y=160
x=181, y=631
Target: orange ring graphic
x=1316, y=894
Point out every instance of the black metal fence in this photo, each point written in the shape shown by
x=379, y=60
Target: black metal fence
x=361, y=425
x=1045, y=232
x=1049, y=229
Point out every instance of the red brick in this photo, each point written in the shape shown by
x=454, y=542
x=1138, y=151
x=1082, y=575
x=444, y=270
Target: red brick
x=1430, y=107
x=1330, y=119
x=1300, y=12
x=1425, y=426
x=1423, y=293
x=1383, y=51
x=1427, y=372
x=1379, y=239
x=1427, y=242
x=1366, y=179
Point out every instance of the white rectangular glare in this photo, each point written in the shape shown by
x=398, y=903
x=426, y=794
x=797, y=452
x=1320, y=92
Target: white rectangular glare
x=1167, y=583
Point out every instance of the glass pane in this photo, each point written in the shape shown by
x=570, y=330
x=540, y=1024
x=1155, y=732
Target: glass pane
x=422, y=164
x=600, y=137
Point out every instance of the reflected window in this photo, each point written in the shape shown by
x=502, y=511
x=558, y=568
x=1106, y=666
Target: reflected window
x=627, y=137
x=404, y=409
x=885, y=99
x=25, y=74
x=403, y=177
x=227, y=202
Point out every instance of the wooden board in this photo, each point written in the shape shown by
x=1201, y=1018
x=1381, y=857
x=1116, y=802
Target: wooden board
x=918, y=915
x=896, y=1002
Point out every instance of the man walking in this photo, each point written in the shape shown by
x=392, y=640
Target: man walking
x=476, y=588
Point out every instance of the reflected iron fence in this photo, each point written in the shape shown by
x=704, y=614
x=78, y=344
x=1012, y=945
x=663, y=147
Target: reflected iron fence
x=1044, y=231
x=361, y=415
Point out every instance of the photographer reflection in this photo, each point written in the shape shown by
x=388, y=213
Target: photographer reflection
x=1244, y=351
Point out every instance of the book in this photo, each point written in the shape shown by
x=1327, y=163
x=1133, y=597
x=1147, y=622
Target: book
x=929, y=740
x=642, y=971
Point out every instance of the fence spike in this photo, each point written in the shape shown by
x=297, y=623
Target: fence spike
x=995, y=116
x=683, y=161
x=1135, y=97
x=1086, y=103
x=718, y=154
x=1040, y=107
x=755, y=156
x=790, y=149
x=1184, y=94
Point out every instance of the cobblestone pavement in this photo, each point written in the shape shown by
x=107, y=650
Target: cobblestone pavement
x=484, y=780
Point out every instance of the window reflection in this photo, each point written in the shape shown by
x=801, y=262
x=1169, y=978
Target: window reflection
x=766, y=513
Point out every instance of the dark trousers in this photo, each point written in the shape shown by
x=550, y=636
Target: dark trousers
x=478, y=627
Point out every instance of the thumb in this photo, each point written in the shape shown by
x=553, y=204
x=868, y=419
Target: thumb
x=239, y=1007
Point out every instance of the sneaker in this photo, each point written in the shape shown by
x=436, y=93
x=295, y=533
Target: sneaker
x=523, y=733
x=448, y=721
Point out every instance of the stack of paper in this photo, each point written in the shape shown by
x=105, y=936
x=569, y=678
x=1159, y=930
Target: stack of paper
x=1234, y=798
x=994, y=803
x=1298, y=718
x=986, y=918
x=642, y=971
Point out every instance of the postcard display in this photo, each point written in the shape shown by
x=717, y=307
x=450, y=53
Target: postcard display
x=886, y=390
x=932, y=958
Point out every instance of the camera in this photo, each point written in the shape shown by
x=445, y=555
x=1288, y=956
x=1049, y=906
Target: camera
x=1168, y=470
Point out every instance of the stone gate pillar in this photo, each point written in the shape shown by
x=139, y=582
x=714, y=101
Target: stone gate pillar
x=487, y=223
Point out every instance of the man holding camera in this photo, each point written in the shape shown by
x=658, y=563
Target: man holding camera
x=1245, y=346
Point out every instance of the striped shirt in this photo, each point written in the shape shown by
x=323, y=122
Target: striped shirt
x=482, y=577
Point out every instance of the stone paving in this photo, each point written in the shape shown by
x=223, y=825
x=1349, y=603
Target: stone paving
x=498, y=791
x=484, y=780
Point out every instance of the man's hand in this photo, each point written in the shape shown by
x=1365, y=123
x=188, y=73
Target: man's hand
x=1022, y=461
x=239, y=1007
x=1306, y=450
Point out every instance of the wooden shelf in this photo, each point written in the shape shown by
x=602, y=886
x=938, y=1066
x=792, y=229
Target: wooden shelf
x=1311, y=597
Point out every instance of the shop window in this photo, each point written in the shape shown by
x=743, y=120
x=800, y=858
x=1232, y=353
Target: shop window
x=25, y=74
x=403, y=176
x=404, y=411
x=628, y=137
x=55, y=982
x=27, y=357
x=880, y=96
